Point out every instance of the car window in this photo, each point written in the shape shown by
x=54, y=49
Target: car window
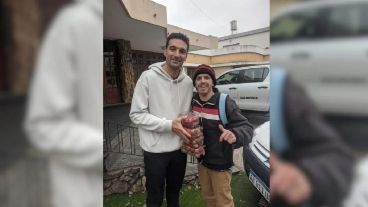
x=363, y=20
x=347, y=21
x=265, y=73
x=252, y=75
x=297, y=25
x=228, y=78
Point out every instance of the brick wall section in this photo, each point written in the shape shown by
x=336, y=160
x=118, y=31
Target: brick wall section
x=23, y=25
x=24, y=36
x=124, y=52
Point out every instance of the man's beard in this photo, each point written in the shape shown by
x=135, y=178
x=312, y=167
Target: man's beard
x=175, y=64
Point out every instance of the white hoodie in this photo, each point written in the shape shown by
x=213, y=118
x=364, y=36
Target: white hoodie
x=157, y=100
x=65, y=111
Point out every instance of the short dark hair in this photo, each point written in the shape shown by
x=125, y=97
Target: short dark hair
x=179, y=36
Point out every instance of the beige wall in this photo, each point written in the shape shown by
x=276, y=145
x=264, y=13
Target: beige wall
x=147, y=11
x=279, y=4
x=227, y=58
x=218, y=70
x=198, y=59
x=237, y=57
x=195, y=59
x=154, y=13
x=197, y=39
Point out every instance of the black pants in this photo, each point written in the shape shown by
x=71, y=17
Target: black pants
x=166, y=167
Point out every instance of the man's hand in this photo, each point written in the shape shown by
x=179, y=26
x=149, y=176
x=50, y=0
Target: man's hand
x=288, y=182
x=178, y=129
x=227, y=135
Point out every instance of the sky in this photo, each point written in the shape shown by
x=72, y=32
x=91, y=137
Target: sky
x=212, y=17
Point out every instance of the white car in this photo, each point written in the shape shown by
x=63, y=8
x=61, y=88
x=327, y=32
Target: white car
x=324, y=46
x=248, y=86
x=256, y=160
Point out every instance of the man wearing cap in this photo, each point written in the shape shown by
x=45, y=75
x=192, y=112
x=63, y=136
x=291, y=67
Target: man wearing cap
x=219, y=140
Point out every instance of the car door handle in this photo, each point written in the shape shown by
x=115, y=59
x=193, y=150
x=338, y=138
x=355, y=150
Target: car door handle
x=260, y=87
x=233, y=88
x=300, y=55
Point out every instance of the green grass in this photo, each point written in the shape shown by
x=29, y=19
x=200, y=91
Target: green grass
x=243, y=192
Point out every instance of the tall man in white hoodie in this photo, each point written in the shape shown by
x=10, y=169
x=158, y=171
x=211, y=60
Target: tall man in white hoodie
x=64, y=116
x=161, y=94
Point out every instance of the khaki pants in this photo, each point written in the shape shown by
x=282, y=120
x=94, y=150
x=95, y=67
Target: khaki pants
x=215, y=185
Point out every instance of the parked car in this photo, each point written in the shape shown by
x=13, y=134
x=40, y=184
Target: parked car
x=324, y=46
x=256, y=160
x=248, y=86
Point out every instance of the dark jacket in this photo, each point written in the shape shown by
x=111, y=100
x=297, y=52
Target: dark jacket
x=316, y=148
x=219, y=155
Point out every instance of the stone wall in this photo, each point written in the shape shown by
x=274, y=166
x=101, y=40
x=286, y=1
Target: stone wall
x=132, y=180
x=124, y=168
x=129, y=180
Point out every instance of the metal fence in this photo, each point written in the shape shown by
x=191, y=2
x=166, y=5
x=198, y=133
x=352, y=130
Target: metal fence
x=124, y=139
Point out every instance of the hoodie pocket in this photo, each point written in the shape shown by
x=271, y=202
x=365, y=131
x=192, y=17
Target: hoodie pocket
x=154, y=139
x=148, y=139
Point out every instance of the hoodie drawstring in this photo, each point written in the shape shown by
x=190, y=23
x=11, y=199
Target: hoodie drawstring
x=177, y=85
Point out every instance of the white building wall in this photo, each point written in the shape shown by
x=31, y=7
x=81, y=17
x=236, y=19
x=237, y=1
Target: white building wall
x=260, y=39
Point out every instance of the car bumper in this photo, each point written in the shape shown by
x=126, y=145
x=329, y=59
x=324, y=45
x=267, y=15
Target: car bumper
x=251, y=161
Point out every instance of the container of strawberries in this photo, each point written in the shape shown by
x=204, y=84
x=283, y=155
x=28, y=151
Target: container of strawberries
x=194, y=145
